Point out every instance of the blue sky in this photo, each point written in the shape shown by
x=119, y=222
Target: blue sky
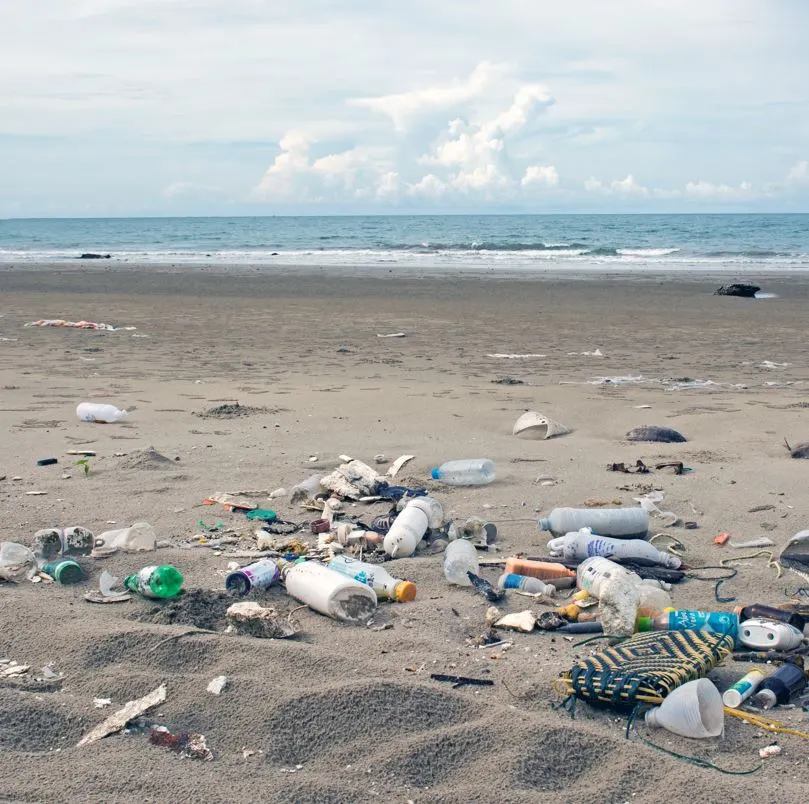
x=153, y=107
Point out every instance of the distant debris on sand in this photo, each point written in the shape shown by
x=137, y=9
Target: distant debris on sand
x=90, y=255
x=148, y=458
x=745, y=291
x=231, y=410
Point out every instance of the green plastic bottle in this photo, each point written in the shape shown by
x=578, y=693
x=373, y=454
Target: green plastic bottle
x=64, y=571
x=156, y=582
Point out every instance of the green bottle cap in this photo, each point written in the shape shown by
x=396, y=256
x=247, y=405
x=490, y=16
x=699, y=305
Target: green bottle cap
x=644, y=624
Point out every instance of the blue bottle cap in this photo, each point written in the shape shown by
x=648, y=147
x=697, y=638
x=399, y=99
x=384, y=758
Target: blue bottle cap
x=436, y=474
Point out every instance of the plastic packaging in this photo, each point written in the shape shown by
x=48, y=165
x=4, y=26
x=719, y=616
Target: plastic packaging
x=73, y=541
x=377, y=577
x=406, y=532
x=95, y=412
x=620, y=523
x=761, y=634
x=17, y=562
x=65, y=571
x=471, y=472
x=719, y=622
x=525, y=583
x=736, y=695
x=140, y=537
x=156, y=582
x=460, y=557
x=788, y=680
x=331, y=593
x=584, y=544
x=258, y=575
x=692, y=710
x=433, y=509
x=555, y=574
x=770, y=613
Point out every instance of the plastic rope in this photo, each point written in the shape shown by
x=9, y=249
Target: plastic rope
x=676, y=549
x=719, y=581
x=765, y=723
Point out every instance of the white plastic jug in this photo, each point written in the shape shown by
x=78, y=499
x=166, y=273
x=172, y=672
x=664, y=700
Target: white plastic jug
x=95, y=412
x=331, y=593
x=406, y=532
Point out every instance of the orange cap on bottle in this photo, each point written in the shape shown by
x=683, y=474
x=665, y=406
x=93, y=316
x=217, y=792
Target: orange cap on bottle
x=405, y=592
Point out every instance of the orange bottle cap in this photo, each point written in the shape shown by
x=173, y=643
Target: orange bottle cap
x=405, y=592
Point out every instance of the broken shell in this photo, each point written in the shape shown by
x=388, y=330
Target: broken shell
x=662, y=435
x=217, y=684
x=520, y=621
x=536, y=426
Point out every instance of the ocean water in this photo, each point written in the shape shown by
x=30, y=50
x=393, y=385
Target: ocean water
x=739, y=243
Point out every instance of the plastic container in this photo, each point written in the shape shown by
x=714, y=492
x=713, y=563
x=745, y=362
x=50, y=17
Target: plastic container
x=471, y=472
x=585, y=544
x=736, y=695
x=770, y=613
x=525, y=583
x=65, y=571
x=433, y=509
x=139, y=537
x=787, y=681
x=719, y=622
x=73, y=541
x=102, y=414
x=156, y=582
x=16, y=561
x=406, y=532
x=331, y=593
x=460, y=557
x=761, y=634
x=692, y=710
x=258, y=575
x=377, y=577
x=555, y=574
x=620, y=523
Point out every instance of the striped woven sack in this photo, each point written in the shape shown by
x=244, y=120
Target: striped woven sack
x=646, y=667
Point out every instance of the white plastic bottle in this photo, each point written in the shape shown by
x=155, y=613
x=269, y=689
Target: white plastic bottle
x=406, y=532
x=329, y=592
x=472, y=472
x=433, y=509
x=585, y=544
x=96, y=412
x=620, y=523
x=377, y=577
x=460, y=557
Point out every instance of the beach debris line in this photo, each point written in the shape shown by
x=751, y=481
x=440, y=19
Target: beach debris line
x=118, y=720
x=91, y=325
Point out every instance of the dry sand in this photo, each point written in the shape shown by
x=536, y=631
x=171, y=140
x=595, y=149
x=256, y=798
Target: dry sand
x=353, y=711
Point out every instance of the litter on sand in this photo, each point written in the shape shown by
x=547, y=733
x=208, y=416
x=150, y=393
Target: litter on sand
x=116, y=721
x=60, y=322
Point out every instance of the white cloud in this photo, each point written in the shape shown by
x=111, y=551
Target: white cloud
x=799, y=174
x=622, y=187
x=428, y=186
x=539, y=175
x=723, y=192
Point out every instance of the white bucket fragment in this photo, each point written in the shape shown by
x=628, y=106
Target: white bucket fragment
x=534, y=425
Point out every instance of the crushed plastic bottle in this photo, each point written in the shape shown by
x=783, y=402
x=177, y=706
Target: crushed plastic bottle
x=17, y=562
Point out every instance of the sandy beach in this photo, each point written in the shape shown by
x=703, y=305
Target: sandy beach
x=349, y=714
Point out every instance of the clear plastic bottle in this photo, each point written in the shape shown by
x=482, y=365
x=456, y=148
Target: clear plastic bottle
x=156, y=582
x=471, y=472
x=95, y=412
x=525, y=583
x=258, y=575
x=377, y=577
x=460, y=557
x=620, y=523
x=585, y=544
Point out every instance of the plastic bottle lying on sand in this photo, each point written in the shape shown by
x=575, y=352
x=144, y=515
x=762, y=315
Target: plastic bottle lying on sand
x=258, y=575
x=525, y=583
x=620, y=523
x=770, y=613
x=329, y=592
x=156, y=582
x=406, y=532
x=585, y=544
x=719, y=622
x=377, y=577
x=742, y=689
x=557, y=575
x=788, y=680
x=65, y=571
x=460, y=557
x=95, y=412
x=470, y=472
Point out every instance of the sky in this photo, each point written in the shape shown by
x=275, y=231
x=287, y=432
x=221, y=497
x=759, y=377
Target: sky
x=205, y=107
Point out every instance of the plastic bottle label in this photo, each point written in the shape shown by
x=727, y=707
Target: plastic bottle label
x=261, y=574
x=600, y=547
x=716, y=621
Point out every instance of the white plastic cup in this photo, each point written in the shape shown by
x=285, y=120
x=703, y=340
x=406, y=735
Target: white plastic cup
x=96, y=412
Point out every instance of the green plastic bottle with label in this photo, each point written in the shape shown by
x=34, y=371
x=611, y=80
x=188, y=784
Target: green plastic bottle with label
x=156, y=582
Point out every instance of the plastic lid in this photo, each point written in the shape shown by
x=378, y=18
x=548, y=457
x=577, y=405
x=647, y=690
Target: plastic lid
x=732, y=698
x=644, y=624
x=436, y=474
x=405, y=591
x=765, y=698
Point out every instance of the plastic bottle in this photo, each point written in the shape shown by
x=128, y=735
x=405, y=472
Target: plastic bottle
x=431, y=507
x=557, y=575
x=156, y=582
x=585, y=544
x=95, y=412
x=65, y=571
x=736, y=695
x=16, y=561
x=471, y=472
x=406, y=532
x=719, y=622
x=787, y=681
x=329, y=592
x=525, y=583
x=377, y=577
x=258, y=575
x=620, y=523
x=770, y=613
x=460, y=557
x=763, y=634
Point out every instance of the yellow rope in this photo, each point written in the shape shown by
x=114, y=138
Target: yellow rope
x=765, y=723
x=771, y=560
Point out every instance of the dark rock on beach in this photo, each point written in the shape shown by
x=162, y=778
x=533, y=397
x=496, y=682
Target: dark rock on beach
x=90, y=255
x=745, y=291
x=663, y=435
